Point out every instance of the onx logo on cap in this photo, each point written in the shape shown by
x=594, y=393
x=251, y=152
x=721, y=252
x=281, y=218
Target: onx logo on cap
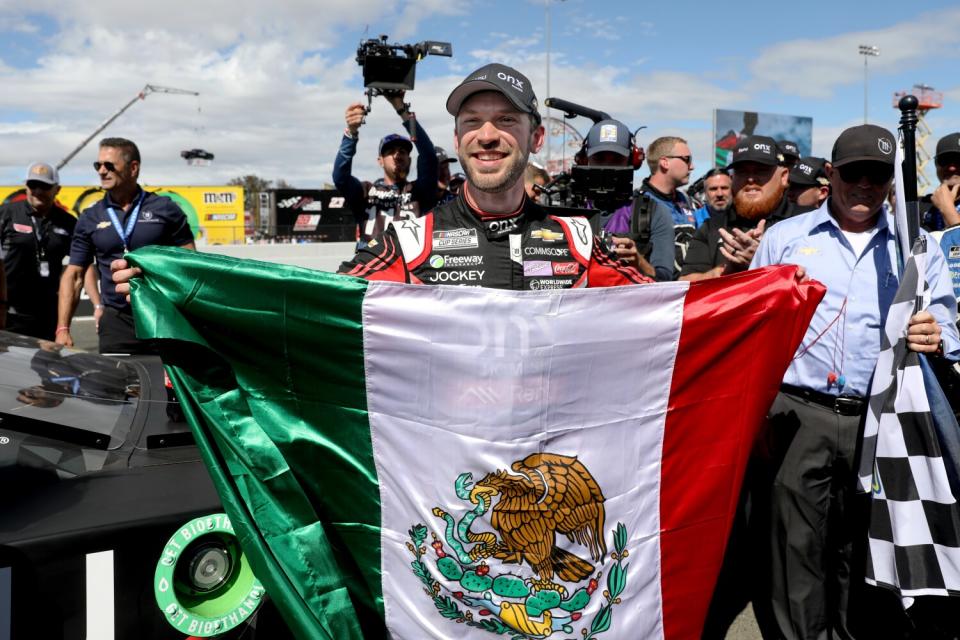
x=516, y=82
x=885, y=146
x=759, y=146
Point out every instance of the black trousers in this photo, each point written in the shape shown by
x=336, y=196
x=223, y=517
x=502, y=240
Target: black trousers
x=818, y=532
x=815, y=518
x=118, y=335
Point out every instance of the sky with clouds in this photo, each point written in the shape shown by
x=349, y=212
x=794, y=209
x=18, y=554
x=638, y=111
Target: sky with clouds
x=274, y=79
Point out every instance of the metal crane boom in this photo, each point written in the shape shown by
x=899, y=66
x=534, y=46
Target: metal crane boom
x=147, y=90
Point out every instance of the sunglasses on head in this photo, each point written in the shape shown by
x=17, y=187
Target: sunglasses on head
x=109, y=166
x=36, y=185
x=876, y=173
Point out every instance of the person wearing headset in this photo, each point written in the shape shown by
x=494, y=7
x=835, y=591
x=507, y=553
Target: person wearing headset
x=640, y=231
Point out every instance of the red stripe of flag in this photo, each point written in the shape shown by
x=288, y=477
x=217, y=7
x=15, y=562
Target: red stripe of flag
x=719, y=395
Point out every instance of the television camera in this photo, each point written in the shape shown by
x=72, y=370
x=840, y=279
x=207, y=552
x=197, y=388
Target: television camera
x=390, y=69
x=587, y=190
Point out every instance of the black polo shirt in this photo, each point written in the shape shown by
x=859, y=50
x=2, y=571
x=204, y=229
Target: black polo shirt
x=703, y=252
x=160, y=221
x=28, y=242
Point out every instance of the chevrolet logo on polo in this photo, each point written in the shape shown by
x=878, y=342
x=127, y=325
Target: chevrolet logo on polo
x=103, y=225
x=546, y=235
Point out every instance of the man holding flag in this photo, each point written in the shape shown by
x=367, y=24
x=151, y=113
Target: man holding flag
x=849, y=244
x=429, y=462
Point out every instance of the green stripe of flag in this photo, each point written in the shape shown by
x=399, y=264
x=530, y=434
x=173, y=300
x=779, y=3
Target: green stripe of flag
x=288, y=412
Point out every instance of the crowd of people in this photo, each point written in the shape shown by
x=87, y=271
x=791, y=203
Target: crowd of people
x=800, y=526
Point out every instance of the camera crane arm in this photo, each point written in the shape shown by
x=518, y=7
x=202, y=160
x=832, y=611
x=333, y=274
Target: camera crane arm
x=147, y=90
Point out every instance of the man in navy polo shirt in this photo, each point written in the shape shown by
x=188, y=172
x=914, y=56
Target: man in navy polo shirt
x=126, y=219
x=35, y=237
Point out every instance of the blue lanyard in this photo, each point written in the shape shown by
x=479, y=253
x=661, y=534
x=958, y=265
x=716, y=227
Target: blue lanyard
x=125, y=233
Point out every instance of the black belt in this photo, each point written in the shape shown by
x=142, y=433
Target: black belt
x=841, y=405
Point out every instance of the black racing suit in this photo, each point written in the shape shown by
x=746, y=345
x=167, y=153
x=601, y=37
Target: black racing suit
x=528, y=249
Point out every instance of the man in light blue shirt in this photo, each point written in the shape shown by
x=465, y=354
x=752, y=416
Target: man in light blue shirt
x=848, y=244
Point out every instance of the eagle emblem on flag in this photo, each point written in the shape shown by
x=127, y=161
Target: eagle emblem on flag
x=546, y=498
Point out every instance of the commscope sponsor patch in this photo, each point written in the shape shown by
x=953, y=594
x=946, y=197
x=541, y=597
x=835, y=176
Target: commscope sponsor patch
x=546, y=251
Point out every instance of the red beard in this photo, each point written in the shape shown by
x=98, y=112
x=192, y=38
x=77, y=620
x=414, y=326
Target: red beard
x=758, y=208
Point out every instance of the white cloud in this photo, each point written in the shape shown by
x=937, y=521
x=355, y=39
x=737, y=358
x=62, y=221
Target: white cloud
x=814, y=68
x=273, y=86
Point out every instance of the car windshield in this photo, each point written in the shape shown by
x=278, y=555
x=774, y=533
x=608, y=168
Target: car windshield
x=60, y=393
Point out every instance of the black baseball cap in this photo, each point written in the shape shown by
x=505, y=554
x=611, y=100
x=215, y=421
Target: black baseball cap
x=789, y=150
x=511, y=83
x=394, y=140
x=948, y=144
x=865, y=142
x=809, y=172
x=442, y=156
x=759, y=149
x=609, y=135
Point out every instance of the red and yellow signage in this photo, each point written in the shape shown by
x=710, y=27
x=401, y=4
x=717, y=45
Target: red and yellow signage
x=215, y=213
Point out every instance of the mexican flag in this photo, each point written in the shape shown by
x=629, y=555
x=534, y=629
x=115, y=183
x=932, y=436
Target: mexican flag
x=437, y=462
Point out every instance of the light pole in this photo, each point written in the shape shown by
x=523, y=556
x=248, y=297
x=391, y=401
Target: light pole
x=547, y=119
x=867, y=51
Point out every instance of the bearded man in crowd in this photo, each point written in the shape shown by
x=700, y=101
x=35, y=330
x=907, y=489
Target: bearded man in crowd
x=726, y=241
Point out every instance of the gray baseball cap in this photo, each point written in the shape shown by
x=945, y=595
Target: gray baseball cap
x=511, y=83
x=609, y=135
x=42, y=172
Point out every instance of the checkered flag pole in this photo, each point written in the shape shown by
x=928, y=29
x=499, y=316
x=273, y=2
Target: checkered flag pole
x=914, y=533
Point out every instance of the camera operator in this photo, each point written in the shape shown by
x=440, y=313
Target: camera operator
x=375, y=204
x=642, y=232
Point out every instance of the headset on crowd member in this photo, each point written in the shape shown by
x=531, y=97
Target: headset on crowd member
x=636, y=157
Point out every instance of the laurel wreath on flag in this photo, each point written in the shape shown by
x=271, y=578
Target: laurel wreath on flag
x=449, y=608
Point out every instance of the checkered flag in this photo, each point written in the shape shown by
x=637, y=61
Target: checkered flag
x=914, y=535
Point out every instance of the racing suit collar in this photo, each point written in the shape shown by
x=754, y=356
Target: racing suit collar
x=496, y=225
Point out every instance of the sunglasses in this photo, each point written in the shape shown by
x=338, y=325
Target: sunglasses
x=686, y=159
x=109, y=166
x=36, y=185
x=949, y=159
x=877, y=174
